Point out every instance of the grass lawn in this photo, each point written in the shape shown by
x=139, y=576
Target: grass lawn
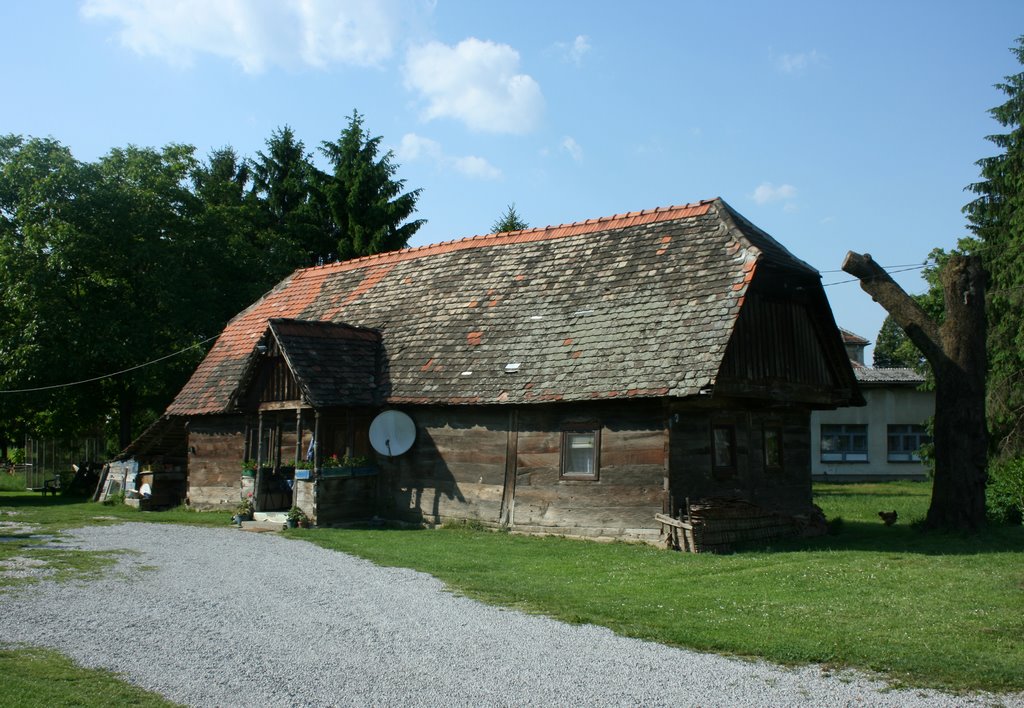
x=39, y=677
x=943, y=611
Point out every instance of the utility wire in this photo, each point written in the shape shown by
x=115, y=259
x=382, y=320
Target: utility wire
x=893, y=269
x=110, y=376
x=904, y=265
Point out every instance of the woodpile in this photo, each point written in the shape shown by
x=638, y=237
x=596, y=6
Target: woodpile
x=714, y=525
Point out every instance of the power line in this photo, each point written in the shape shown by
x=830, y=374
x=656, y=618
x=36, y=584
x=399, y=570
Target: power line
x=904, y=265
x=890, y=270
x=110, y=376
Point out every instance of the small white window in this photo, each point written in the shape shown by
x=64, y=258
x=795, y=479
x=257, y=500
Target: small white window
x=580, y=456
x=844, y=443
x=905, y=442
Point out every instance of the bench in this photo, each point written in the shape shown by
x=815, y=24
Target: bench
x=51, y=485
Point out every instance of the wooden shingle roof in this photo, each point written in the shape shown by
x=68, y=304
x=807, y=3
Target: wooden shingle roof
x=634, y=305
x=334, y=364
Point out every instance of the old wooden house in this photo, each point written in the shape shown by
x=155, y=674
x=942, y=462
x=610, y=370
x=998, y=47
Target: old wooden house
x=575, y=379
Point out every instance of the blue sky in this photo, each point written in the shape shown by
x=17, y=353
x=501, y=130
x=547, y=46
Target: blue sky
x=833, y=126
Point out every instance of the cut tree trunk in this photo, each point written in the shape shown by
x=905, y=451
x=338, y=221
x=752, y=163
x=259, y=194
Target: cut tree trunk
x=956, y=352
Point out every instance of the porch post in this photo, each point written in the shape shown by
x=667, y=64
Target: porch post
x=259, y=464
x=259, y=441
x=316, y=442
x=298, y=435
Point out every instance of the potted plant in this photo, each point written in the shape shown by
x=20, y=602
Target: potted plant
x=243, y=512
x=295, y=517
x=249, y=468
x=303, y=468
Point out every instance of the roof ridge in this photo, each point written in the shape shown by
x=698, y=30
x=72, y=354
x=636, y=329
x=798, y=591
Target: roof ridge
x=540, y=233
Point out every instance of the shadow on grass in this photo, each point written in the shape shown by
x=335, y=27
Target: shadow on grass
x=907, y=538
x=25, y=500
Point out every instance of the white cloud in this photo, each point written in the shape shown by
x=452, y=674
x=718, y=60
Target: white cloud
x=477, y=167
x=476, y=82
x=575, y=50
x=255, y=33
x=796, y=63
x=573, y=148
x=416, y=147
x=767, y=192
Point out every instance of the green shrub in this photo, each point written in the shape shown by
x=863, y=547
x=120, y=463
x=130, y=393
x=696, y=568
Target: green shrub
x=1005, y=494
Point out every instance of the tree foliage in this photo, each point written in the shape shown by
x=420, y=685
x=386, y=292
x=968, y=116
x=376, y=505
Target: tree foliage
x=996, y=216
x=144, y=252
x=509, y=221
x=366, y=210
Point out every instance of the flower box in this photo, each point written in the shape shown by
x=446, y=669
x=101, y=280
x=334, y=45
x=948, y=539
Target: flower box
x=347, y=471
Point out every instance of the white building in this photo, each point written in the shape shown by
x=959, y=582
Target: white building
x=881, y=440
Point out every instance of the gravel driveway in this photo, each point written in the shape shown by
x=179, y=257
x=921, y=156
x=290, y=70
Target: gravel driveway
x=220, y=617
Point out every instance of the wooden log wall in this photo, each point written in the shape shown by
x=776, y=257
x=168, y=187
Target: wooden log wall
x=216, y=450
x=786, y=489
x=464, y=457
x=343, y=499
x=630, y=485
x=455, y=469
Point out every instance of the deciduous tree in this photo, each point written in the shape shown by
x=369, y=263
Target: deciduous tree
x=956, y=351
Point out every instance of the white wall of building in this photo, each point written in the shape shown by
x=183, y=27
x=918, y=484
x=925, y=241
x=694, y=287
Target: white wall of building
x=891, y=404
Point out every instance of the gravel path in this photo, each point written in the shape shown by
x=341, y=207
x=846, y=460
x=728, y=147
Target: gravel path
x=219, y=617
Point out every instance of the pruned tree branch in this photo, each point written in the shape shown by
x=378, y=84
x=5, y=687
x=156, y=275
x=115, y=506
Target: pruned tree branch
x=920, y=328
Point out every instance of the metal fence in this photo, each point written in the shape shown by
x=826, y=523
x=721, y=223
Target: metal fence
x=47, y=458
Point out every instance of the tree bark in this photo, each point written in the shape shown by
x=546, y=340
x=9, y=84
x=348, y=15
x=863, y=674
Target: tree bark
x=956, y=352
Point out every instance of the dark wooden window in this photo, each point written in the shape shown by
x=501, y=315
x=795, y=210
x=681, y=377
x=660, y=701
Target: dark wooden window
x=581, y=453
x=905, y=442
x=844, y=443
x=723, y=448
x=772, y=439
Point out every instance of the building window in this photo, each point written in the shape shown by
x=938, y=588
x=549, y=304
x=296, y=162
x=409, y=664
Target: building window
x=723, y=448
x=905, y=442
x=772, y=448
x=844, y=443
x=580, y=453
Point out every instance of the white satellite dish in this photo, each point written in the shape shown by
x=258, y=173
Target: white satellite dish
x=392, y=433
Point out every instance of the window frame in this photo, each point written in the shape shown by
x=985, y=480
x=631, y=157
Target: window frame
x=777, y=429
x=729, y=469
x=850, y=454
x=593, y=429
x=914, y=430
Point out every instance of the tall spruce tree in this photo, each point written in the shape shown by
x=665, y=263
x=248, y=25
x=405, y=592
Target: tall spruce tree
x=293, y=233
x=366, y=210
x=996, y=217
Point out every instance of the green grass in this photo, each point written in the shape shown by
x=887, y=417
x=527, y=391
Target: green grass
x=943, y=611
x=39, y=677
x=11, y=482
